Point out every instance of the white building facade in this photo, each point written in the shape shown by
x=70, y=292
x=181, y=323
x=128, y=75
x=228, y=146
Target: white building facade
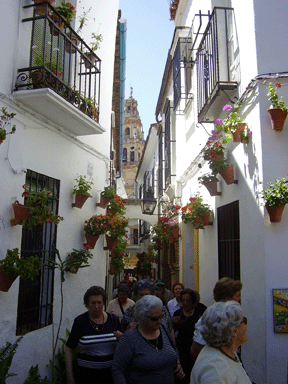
x=56, y=140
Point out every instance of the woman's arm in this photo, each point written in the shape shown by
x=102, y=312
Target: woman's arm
x=68, y=364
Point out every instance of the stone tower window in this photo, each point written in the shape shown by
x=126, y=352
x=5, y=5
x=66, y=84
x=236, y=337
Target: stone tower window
x=125, y=154
x=127, y=131
x=132, y=156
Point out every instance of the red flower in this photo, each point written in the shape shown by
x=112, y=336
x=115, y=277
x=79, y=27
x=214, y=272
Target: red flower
x=192, y=199
x=278, y=85
x=184, y=208
x=126, y=235
x=177, y=207
x=165, y=219
x=87, y=246
x=190, y=208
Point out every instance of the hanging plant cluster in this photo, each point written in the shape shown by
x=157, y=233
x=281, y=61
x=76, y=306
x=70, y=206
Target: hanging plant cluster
x=164, y=232
x=196, y=212
x=81, y=191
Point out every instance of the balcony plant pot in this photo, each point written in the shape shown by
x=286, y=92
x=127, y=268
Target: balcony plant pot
x=60, y=21
x=111, y=243
x=237, y=134
x=91, y=56
x=212, y=188
x=6, y=280
x=91, y=240
x=70, y=47
x=41, y=9
x=275, y=214
x=228, y=174
x=21, y=212
x=79, y=200
x=104, y=201
x=277, y=117
x=39, y=81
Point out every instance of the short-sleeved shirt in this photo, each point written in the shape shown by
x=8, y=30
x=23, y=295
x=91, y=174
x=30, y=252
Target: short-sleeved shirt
x=114, y=307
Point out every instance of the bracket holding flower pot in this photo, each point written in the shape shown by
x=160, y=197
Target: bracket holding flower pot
x=229, y=174
x=277, y=117
x=104, y=201
x=79, y=200
x=214, y=188
x=275, y=214
x=21, y=212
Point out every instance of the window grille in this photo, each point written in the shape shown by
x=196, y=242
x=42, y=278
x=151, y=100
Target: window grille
x=229, y=240
x=177, y=75
x=160, y=169
x=167, y=147
x=35, y=298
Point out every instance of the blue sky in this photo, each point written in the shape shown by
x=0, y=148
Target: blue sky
x=149, y=36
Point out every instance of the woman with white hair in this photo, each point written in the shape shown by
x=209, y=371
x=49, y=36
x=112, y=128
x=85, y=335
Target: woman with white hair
x=146, y=353
x=224, y=330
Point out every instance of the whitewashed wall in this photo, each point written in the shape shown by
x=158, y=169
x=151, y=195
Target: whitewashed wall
x=41, y=147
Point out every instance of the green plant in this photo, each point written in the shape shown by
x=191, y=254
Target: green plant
x=109, y=191
x=273, y=97
x=246, y=133
x=231, y=121
x=67, y=10
x=194, y=209
x=117, y=205
x=217, y=166
x=160, y=231
x=96, y=225
x=276, y=194
x=34, y=377
x=40, y=213
x=96, y=40
x=78, y=257
x=121, y=246
x=83, y=186
x=6, y=356
x=116, y=225
x=26, y=268
x=5, y=119
x=118, y=264
x=50, y=64
x=206, y=178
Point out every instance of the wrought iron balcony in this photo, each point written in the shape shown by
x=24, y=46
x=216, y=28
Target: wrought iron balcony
x=60, y=63
x=217, y=62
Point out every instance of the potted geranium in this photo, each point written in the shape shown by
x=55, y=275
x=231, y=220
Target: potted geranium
x=210, y=181
x=78, y=259
x=115, y=227
x=196, y=212
x=106, y=196
x=38, y=211
x=160, y=232
x=116, y=265
x=93, y=228
x=5, y=119
x=116, y=205
x=278, y=110
x=232, y=123
x=81, y=191
x=222, y=167
x=275, y=198
x=13, y=266
x=67, y=11
x=213, y=150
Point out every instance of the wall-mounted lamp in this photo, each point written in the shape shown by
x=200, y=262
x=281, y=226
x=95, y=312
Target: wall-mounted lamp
x=148, y=204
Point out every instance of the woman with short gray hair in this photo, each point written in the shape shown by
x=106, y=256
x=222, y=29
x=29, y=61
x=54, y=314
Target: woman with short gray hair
x=146, y=353
x=224, y=330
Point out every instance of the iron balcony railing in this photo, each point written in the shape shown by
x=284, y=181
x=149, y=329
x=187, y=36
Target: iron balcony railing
x=60, y=60
x=214, y=60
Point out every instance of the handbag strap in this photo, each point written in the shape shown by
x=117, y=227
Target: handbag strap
x=169, y=337
x=120, y=305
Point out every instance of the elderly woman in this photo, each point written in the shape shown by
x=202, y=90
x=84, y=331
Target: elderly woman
x=175, y=303
x=146, y=353
x=95, y=332
x=224, y=330
x=142, y=288
x=119, y=305
x=184, y=321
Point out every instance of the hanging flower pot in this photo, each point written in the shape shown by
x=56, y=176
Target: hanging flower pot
x=237, y=134
x=228, y=174
x=112, y=269
x=6, y=280
x=71, y=47
x=277, y=117
x=104, y=201
x=205, y=219
x=110, y=212
x=79, y=200
x=75, y=266
x=175, y=233
x=60, y=22
x=21, y=212
x=91, y=240
x=111, y=242
x=212, y=188
x=275, y=214
x=91, y=56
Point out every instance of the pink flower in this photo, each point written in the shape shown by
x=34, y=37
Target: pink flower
x=227, y=107
x=218, y=121
x=278, y=85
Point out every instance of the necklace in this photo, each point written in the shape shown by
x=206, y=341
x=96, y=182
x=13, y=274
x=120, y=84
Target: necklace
x=154, y=340
x=95, y=325
x=230, y=357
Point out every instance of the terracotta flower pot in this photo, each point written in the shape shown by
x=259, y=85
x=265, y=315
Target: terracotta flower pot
x=91, y=240
x=237, y=134
x=111, y=242
x=41, y=9
x=228, y=174
x=6, y=280
x=212, y=188
x=278, y=118
x=175, y=233
x=112, y=269
x=197, y=223
x=104, y=201
x=60, y=22
x=70, y=47
x=76, y=266
x=110, y=212
x=205, y=219
x=79, y=200
x=21, y=212
x=275, y=214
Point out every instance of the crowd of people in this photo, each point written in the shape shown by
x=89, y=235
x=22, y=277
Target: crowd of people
x=150, y=335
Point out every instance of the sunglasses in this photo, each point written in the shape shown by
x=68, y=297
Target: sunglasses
x=244, y=320
x=156, y=318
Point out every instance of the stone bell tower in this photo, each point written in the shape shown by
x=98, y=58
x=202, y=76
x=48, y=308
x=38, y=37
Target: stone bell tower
x=133, y=144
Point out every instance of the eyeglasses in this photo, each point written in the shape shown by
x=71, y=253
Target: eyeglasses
x=244, y=320
x=156, y=318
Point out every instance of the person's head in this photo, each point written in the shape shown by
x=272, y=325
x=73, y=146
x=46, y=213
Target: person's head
x=123, y=293
x=188, y=299
x=161, y=284
x=176, y=289
x=223, y=324
x=148, y=312
x=94, y=299
x=227, y=289
x=142, y=288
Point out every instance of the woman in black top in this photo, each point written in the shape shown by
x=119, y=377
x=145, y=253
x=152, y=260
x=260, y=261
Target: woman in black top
x=184, y=321
x=95, y=333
